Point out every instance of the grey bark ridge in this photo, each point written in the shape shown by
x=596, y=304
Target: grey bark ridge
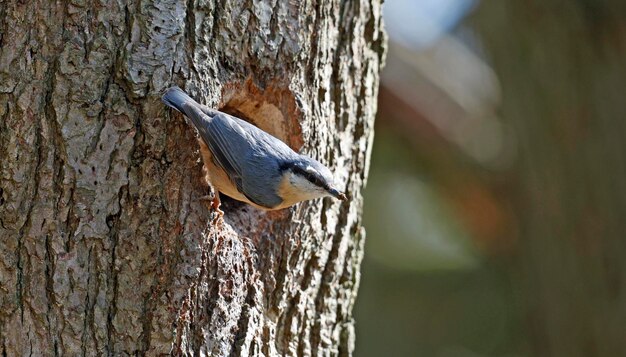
x=103, y=249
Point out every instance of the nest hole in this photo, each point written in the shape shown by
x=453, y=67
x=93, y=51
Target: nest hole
x=273, y=110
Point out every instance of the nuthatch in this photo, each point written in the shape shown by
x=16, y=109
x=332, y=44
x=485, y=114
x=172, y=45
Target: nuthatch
x=250, y=165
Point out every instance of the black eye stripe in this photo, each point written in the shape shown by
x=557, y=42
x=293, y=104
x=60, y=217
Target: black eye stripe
x=312, y=177
x=317, y=181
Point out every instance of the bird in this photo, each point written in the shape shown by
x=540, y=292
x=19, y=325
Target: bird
x=250, y=165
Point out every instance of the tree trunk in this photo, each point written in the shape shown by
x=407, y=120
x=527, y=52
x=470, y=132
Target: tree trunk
x=105, y=248
x=561, y=64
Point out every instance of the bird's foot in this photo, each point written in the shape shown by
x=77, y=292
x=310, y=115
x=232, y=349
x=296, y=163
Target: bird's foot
x=217, y=217
x=213, y=202
x=215, y=206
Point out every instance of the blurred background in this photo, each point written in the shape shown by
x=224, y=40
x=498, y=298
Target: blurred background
x=496, y=205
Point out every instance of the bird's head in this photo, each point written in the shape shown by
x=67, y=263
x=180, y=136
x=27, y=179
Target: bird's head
x=305, y=179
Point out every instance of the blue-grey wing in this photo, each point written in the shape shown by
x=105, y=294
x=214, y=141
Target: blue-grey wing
x=247, y=157
x=224, y=142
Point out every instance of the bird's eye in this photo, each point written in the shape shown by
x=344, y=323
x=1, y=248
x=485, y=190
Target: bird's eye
x=312, y=178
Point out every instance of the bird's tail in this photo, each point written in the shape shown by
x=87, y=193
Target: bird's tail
x=175, y=97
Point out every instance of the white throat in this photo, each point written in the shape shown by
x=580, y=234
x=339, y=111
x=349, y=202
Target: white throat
x=295, y=188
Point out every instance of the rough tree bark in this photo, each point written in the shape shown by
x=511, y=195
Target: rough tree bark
x=104, y=249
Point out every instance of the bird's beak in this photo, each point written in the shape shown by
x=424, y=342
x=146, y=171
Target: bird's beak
x=338, y=195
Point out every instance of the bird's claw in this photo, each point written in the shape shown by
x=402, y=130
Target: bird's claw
x=215, y=206
x=213, y=200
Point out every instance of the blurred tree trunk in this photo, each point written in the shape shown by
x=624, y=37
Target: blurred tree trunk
x=104, y=249
x=561, y=64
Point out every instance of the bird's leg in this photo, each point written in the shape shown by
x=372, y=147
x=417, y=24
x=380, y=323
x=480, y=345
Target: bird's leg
x=214, y=198
x=215, y=204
